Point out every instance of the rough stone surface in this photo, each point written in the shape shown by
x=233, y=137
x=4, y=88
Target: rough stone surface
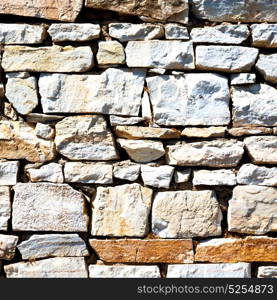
x=118, y=120
x=225, y=58
x=51, y=172
x=218, y=153
x=48, y=207
x=44, y=131
x=220, y=34
x=181, y=176
x=157, y=176
x=135, y=32
x=160, y=10
x=85, y=138
x=22, y=94
x=238, y=270
x=160, y=54
x=254, y=105
x=110, y=53
x=144, y=251
x=176, y=32
x=9, y=172
x=21, y=33
x=253, y=210
x=88, y=172
x=7, y=246
x=184, y=100
x=267, y=272
x=262, y=149
x=49, y=245
x=208, y=132
x=234, y=250
x=236, y=10
x=186, y=214
x=264, y=35
x=254, y=175
x=102, y=271
x=215, y=177
x=93, y=93
x=56, y=267
x=121, y=211
x=19, y=141
x=142, y=151
x=136, y=132
x=5, y=207
x=241, y=131
x=74, y=32
x=267, y=65
x=47, y=59
x=126, y=170
x=243, y=78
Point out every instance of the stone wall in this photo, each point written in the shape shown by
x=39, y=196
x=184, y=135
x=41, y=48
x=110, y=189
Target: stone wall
x=138, y=138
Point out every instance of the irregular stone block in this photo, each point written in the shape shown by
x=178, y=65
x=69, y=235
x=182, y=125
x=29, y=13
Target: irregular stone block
x=88, y=172
x=115, y=211
x=85, y=138
x=22, y=94
x=267, y=272
x=142, y=151
x=255, y=175
x=48, y=207
x=117, y=120
x=220, y=34
x=19, y=141
x=186, y=214
x=5, y=207
x=146, y=109
x=225, y=58
x=110, y=53
x=143, y=251
x=214, y=177
x=208, y=132
x=93, y=93
x=126, y=170
x=8, y=172
x=128, y=271
x=264, y=35
x=21, y=33
x=52, y=172
x=181, y=176
x=125, y=32
x=7, y=246
x=267, y=65
x=157, y=176
x=43, y=118
x=160, y=54
x=47, y=245
x=139, y=132
x=219, y=153
x=262, y=149
x=236, y=10
x=56, y=267
x=44, y=131
x=241, y=131
x=243, y=78
x=176, y=32
x=74, y=32
x=253, y=210
x=156, y=9
x=249, y=249
x=184, y=100
x=47, y=59
x=238, y=270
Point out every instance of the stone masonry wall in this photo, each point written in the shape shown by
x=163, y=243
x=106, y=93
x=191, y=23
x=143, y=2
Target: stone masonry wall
x=138, y=138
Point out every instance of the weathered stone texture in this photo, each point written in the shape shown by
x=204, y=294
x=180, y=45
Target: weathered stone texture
x=157, y=176
x=215, y=177
x=110, y=53
x=57, y=267
x=176, y=32
x=93, y=93
x=8, y=172
x=51, y=172
x=267, y=65
x=267, y=272
x=5, y=207
x=7, y=246
x=186, y=214
x=264, y=35
x=121, y=211
x=126, y=170
x=233, y=250
x=208, y=132
x=243, y=78
x=144, y=251
x=48, y=207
